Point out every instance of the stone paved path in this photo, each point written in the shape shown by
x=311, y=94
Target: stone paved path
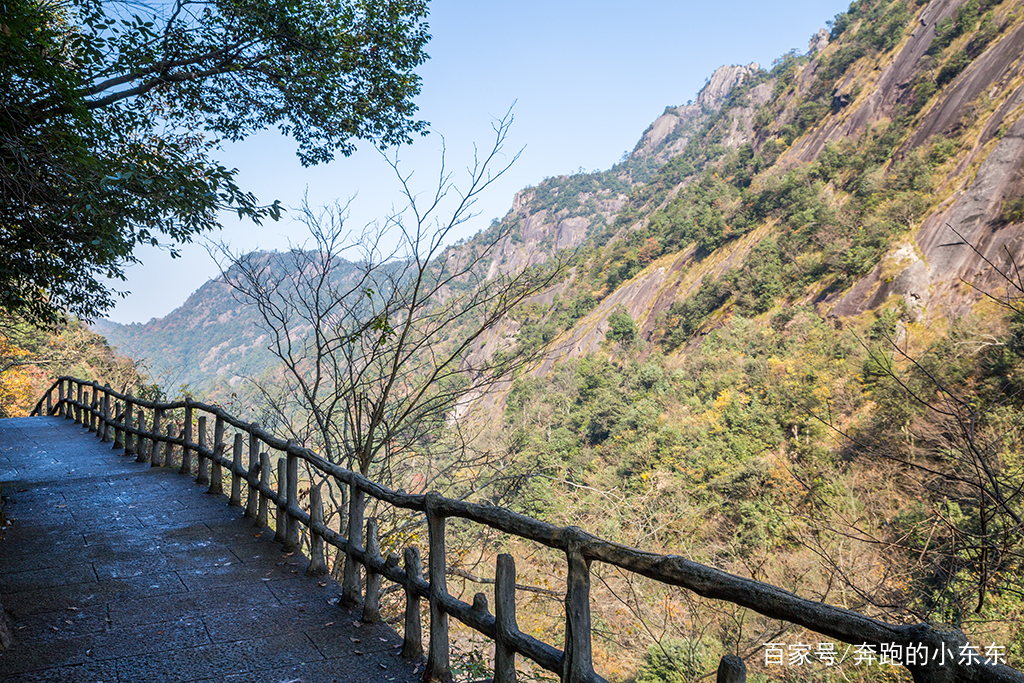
x=117, y=572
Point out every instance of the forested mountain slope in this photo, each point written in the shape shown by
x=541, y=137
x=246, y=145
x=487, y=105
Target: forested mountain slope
x=211, y=342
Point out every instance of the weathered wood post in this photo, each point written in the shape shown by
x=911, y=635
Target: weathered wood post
x=252, y=501
x=216, y=469
x=261, y=511
x=412, y=640
x=282, y=503
x=119, y=426
x=351, y=585
x=79, y=403
x=577, y=665
x=202, y=477
x=317, y=565
x=168, y=460
x=731, y=670
x=505, y=625
x=292, y=539
x=140, y=438
x=129, y=438
x=438, y=663
x=371, y=602
x=94, y=408
x=186, y=450
x=154, y=446
x=236, y=471
x=62, y=407
x=49, y=403
x=94, y=412
x=87, y=410
x=97, y=411
x=105, y=412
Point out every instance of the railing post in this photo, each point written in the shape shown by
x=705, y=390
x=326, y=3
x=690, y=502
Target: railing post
x=282, y=492
x=105, y=412
x=154, y=447
x=86, y=409
x=577, y=665
x=317, y=565
x=87, y=416
x=140, y=439
x=169, y=447
x=252, y=500
x=351, y=585
x=62, y=407
x=79, y=403
x=292, y=539
x=505, y=625
x=49, y=403
x=236, y=471
x=412, y=640
x=94, y=408
x=186, y=450
x=129, y=414
x=371, y=602
x=261, y=511
x=216, y=469
x=730, y=670
x=202, y=478
x=438, y=663
x=118, y=426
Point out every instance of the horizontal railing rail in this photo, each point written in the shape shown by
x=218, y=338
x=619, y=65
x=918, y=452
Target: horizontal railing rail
x=121, y=418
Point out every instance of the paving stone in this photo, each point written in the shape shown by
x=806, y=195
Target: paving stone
x=88, y=672
x=59, y=624
x=350, y=670
x=117, y=572
x=172, y=666
x=145, y=609
x=57, y=574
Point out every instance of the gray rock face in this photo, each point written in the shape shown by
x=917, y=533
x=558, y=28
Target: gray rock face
x=668, y=135
x=721, y=82
x=880, y=103
x=954, y=244
x=818, y=42
x=999, y=62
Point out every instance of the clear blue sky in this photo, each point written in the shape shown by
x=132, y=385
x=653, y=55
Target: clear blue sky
x=586, y=78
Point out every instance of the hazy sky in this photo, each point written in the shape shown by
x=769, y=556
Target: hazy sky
x=586, y=78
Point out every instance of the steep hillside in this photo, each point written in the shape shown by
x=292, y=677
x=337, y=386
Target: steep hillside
x=887, y=162
x=794, y=352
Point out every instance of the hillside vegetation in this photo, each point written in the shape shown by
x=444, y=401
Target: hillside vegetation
x=788, y=344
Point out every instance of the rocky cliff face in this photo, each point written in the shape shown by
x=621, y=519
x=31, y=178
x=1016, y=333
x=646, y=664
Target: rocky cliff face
x=964, y=236
x=965, y=233
x=673, y=130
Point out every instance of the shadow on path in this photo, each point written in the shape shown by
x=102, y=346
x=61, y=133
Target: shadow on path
x=114, y=571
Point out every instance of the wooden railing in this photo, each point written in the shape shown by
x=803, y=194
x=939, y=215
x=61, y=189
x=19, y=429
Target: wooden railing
x=123, y=420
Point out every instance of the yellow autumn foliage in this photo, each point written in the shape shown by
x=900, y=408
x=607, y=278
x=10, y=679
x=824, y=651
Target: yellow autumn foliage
x=16, y=386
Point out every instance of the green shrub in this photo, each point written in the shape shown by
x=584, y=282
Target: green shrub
x=678, y=661
x=1013, y=211
x=621, y=326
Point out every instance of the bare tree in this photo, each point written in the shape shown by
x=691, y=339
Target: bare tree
x=374, y=330
x=948, y=423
